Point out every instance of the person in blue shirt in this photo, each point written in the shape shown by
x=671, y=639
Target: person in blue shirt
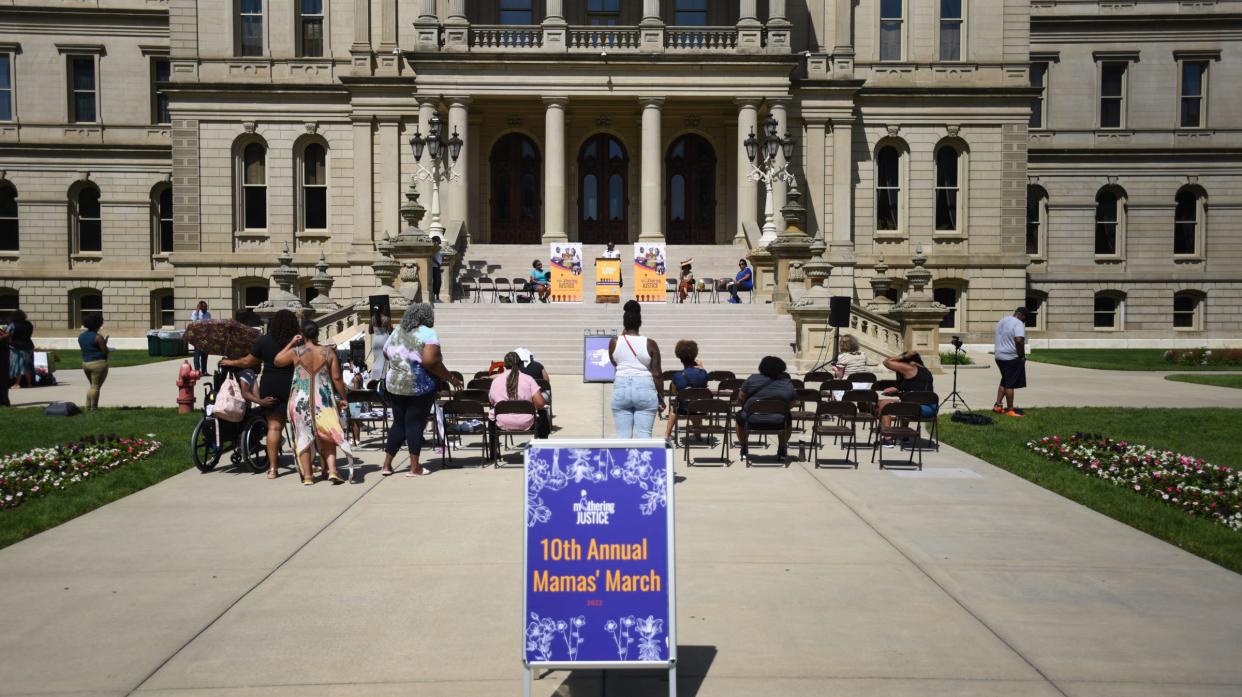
x=744, y=280
x=691, y=375
x=540, y=280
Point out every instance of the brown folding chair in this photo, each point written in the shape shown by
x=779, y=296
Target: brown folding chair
x=715, y=418
x=511, y=406
x=835, y=419
x=867, y=401
x=903, y=414
x=933, y=424
x=766, y=406
x=457, y=412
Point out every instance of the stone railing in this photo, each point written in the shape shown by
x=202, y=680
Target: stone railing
x=505, y=37
x=878, y=334
x=701, y=39
x=590, y=39
x=341, y=321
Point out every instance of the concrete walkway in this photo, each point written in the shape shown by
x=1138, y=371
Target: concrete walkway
x=963, y=580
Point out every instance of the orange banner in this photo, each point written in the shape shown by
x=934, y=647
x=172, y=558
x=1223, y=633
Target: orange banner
x=566, y=260
x=649, y=268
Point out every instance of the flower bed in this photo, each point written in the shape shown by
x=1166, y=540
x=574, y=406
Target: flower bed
x=1224, y=358
x=35, y=473
x=1197, y=487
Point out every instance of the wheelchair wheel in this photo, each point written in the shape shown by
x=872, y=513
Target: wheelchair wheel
x=254, y=445
x=203, y=445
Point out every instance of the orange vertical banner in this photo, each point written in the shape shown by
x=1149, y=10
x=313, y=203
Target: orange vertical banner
x=566, y=258
x=649, y=268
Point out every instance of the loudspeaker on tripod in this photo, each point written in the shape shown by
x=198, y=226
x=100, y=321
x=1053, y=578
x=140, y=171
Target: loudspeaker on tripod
x=839, y=311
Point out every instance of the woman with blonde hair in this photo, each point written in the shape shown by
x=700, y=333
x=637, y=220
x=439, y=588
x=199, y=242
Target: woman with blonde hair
x=850, y=359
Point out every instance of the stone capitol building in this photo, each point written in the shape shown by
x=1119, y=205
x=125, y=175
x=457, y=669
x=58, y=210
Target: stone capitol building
x=1081, y=157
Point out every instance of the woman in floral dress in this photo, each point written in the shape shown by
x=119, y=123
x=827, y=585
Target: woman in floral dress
x=315, y=401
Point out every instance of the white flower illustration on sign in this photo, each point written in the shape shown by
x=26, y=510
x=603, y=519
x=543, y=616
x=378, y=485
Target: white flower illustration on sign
x=591, y=466
x=541, y=634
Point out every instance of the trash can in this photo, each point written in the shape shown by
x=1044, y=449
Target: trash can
x=172, y=344
x=153, y=343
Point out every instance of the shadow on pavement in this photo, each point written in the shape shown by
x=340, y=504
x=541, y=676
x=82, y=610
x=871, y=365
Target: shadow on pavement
x=693, y=662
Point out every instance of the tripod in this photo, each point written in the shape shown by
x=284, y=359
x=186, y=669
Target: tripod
x=955, y=395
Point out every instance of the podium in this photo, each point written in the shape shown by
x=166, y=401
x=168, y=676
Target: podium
x=607, y=280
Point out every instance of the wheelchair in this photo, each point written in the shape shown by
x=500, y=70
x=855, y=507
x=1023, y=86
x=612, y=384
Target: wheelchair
x=246, y=441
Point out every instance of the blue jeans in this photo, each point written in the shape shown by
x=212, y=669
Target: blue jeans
x=634, y=404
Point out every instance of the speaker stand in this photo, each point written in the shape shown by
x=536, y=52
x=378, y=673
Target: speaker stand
x=955, y=395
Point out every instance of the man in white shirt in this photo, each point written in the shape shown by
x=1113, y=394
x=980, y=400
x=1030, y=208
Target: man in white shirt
x=611, y=252
x=1011, y=360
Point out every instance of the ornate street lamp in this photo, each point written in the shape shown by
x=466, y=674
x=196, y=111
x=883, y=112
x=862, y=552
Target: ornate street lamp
x=437, y=168
x=763, y=168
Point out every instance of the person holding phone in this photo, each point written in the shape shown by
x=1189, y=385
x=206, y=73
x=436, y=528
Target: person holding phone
x=94, y=357
x=638, y=389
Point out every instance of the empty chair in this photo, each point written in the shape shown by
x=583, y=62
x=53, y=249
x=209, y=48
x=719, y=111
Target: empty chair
x=483, y=383
x=690, y=394
x=727, y=389
x=818, y=376
x=903, y=414
x=718, y=375
x=867, y=401
x=868, y=378
x=487, y=288
x=504, y=289
x=836, y=388
x=521, y=287
x=473, y=395
x=881, y=385
x=463, y=417
x=835, y=420
x=670, y=289
x=469, y=288
x=480, y=374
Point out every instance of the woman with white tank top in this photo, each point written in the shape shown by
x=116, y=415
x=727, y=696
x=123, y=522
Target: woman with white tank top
x=637, y=391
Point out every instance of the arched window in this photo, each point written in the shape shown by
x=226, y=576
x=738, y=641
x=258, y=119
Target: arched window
x=1109, y=311
x=313, y=188
x=253, y=185
x=86, y=220
x=9, y=237
x=888, y=189
x=516, y=170
x=1109, y=221
x=603, y=166
x=163, y=309
x=1188, y=222
x=1188, y=310
x=948, y=189
x=83, y=302
x=690, y=171
x=249, y=293
x=1036, y=310
x=951, y=294
x=10, y=302
x=1036, y=220
x=162, y=220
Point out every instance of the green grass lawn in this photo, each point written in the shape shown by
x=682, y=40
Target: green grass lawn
x=28, y=428
x=1188, y=431
x=1234, y=381
x=1117, y=359
x=72, y=359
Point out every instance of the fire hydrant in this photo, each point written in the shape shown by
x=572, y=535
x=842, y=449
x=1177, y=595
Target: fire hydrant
x=187, y=377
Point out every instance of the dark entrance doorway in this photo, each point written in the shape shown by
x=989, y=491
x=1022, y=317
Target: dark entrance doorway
x=690, y=211
x=515, y=204
x=603, y=191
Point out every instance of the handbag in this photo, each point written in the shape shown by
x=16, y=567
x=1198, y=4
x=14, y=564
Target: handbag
x=230, y=405
x=424, y=382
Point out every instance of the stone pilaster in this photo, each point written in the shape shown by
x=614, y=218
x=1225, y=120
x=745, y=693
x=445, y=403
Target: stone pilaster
x=747, y=188
x=554, y=229
x=456, y=27
x=652, y=216
x=427, y=28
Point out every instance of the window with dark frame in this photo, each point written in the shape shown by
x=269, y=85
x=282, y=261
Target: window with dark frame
x=1186, y=223
x=160, y=73
x=250, y=28
x=517, y=12
x=314, y=187
x=950, y=30
x=253, y=296
x=947, y=296
x=6, y=87
x=83, y=90
x=1035, y=206
x=254, y=187
x=690, y=13
x=888, y=189
x=164, y=309
x=10, y=303
x=1034, y=304
x=1185, y=311
x=89, y=302
x=310, y=28
x=1112, y=94
x=1105, y=315
x=164, y=221
x=947, y=188
x=1194, y=82
x=1039, y=78
x=603, y=12
x=892, y=26
x=1106, y=222
x=89, y=223
x=10, y=237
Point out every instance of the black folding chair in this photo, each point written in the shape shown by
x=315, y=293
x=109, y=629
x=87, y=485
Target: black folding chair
x=867, y=401
x=881, y=385
x=504, y=289
x=835, y=389
x=522, y=287
x=487, y=287
x=902, y=414
x=507, y=407
x=817, y=377
x=714, y=417
x=718, y=375
x=468, y=395
x=768, y=407
x=457, y=413
x=933, y=424
x=835, y=420
x=484, y=384
x=728, y=389
x=690, y=394
x=374, y=410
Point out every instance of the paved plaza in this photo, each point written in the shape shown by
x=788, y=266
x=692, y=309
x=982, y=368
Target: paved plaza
x=962, y=580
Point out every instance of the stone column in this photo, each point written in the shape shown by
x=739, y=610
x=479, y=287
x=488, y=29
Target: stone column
x=777, y=106
x=819, y=212
x=360, y=50
x=840, y=242
x=427, y=28
x=651, y=28
x=747, y=189
x=779, y=28
x=459, y=189
x=843, y=33
x=749, y=29
x=364, y=196
x=389, y=64
x=456, y=27
x=554, y=229
x=652, y=228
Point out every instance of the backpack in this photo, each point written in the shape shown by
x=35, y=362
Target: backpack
x=966, y=417
x=230, y=405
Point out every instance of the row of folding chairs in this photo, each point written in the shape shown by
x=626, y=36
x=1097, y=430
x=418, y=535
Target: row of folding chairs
x=488, y=289
x=711, y=288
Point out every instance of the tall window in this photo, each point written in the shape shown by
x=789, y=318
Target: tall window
x=1036, y=214
x=82, y=88
x=888, y=189
x=9, y=237
x=1186, y=218
x=314, y=198
x=163, y=220
x=159, y=73
x=892, y=28
x=517, y=12
x=1113, y=94
x=84, y=302
x=1035, y=311
x=6, y=87
x=163, y=309
x=87, y=221
x=310, y=28
x=949, y=297
x=254, y=187
x=1107, y=222
x=948, y=188
x=10, y=302
x=249, y=27
x=1039, y=110
x=690, y=13
x=1187, y=312
x=603, y=12
x=1194, y=90
x=950, y=30
x=1107, y=311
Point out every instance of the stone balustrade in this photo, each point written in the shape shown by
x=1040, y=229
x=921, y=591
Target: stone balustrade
x=701, y=39
x=486, y=38
x=505, y=37
x=618, y=39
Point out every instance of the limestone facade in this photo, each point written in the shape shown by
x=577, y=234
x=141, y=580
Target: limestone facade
x=288, y=123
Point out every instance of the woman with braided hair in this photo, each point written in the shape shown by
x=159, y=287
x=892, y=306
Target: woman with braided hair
x=514, y=385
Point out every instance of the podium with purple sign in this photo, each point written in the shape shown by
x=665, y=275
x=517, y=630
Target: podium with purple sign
x=599, y=557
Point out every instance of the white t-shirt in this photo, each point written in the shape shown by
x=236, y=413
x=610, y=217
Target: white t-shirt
x=1006, y=330
x=614, y=254
x=634, y=363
